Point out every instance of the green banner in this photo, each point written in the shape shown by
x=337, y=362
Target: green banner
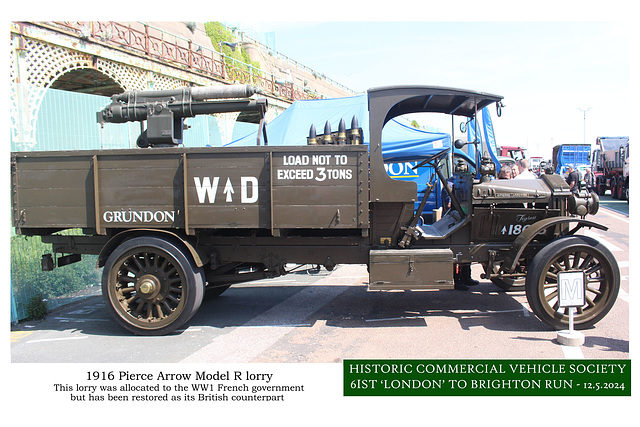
x=487, y=377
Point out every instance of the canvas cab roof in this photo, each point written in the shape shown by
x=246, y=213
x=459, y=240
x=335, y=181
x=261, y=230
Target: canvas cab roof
x=434, y=99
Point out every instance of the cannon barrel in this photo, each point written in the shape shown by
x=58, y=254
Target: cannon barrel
x=219, y=92
x=240, y=105
x=135, y=106
x=164, y=110
x=199, y=93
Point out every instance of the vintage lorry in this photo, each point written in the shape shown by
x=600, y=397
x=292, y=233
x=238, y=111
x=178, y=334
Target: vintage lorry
x=576, y=155
x=170, y=223
x=610, y=165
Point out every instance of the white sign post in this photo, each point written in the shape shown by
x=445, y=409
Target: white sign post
x=571, y=289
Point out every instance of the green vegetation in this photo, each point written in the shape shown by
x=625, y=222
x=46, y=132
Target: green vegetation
x=37, y=308
x=31, y=285
x=237, y=57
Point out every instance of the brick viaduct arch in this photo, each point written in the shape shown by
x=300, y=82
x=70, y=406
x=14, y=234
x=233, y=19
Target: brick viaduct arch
x=36, y=64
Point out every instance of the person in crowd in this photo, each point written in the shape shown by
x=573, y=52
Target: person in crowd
x=590, y=180
x=573, y=179
x=523, y=168
x=505, y=172
x=542, y=168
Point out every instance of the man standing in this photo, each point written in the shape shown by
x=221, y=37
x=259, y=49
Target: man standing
x=573, y=179
x=523, y=168
x=590, y=180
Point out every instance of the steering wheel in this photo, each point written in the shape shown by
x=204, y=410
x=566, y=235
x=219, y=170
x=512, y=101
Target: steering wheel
x=433, y=159
x=433, y=162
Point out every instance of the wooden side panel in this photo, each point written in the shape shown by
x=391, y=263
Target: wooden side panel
x=140, y=190
x=53, y=192
x=320, y=189
x=229, y=189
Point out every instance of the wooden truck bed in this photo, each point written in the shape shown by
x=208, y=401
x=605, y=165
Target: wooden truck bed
x=314, y=187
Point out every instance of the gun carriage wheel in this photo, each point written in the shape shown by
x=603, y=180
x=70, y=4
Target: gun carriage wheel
x=151, y=287
x=573, y=253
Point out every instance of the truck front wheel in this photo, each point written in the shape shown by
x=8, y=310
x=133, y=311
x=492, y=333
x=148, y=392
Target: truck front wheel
x=151, y=287
x=626, y=192
x=573, y=253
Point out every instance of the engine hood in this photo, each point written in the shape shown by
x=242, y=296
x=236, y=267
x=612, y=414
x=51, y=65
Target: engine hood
x=511, y=191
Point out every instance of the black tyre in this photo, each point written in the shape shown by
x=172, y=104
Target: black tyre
x=573, y=253
x=626, y=192
x=622, y=194
x=151, y=287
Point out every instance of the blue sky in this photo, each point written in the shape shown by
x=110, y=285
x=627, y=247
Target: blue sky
x=547, y=71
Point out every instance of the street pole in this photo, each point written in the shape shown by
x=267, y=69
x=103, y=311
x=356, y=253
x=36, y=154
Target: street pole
x=584, y=125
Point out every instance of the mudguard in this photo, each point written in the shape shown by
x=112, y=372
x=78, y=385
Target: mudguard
x=521, y=242
x=124, y=235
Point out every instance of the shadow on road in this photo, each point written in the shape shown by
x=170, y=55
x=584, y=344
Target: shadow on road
x=353, y=307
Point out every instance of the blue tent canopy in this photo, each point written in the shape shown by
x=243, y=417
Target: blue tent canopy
x=291, y=127
x=400, y=142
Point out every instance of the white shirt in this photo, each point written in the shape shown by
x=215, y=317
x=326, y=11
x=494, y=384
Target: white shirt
x=526, y=175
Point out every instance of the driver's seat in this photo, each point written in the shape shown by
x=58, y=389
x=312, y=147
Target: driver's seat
x=442, y=228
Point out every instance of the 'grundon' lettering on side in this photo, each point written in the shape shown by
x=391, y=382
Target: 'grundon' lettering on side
x=139, y=216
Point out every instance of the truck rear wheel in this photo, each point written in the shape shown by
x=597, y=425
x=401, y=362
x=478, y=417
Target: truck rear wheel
x=151, y=287
x=621, y=192
x=574, y=253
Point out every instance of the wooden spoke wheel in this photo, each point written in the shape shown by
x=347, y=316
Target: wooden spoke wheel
x=151, y=287
x=574, y=253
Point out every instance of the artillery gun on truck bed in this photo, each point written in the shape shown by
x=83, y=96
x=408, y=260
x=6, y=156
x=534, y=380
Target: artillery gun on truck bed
x=170, y=224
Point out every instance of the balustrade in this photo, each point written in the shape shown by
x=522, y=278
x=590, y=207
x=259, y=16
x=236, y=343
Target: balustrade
x=162, y=45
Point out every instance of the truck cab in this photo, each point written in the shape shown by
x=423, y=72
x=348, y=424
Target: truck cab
x=516, y=153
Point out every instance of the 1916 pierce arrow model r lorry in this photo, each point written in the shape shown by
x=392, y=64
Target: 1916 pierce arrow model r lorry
x=169, y=223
